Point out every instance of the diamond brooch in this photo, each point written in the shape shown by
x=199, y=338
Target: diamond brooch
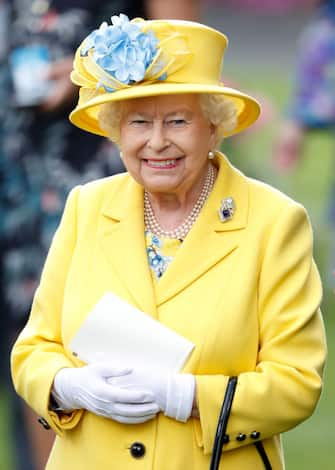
x=227, y=209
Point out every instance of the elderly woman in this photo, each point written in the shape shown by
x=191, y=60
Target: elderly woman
x=220, y=259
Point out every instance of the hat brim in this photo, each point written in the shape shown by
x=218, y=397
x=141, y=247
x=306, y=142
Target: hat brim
x=85, y=115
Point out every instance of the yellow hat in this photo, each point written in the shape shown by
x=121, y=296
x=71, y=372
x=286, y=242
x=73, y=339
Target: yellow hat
x=138, y=58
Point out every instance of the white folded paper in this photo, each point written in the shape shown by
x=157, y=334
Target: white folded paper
x=119, y=332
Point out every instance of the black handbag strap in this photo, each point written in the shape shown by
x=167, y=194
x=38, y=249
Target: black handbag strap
x=220, y=436
x=260, y=449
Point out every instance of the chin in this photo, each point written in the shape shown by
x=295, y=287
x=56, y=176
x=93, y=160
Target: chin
x=160, y=189
x=160, y=185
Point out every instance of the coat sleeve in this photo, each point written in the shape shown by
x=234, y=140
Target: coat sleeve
x=285, y=386
x=38, y=352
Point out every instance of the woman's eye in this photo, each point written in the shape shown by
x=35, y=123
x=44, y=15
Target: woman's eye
x=138, y=122
x=177, y=122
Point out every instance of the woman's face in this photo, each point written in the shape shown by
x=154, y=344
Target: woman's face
x=165, y=142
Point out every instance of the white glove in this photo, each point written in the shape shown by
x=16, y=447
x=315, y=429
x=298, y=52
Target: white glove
x=174, y=393
x=87, y=387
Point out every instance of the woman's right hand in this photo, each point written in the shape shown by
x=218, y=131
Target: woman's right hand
x=287, y=149
x=63, y=92
x=87, y=387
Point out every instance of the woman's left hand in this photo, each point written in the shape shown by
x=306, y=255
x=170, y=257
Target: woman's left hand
x=174, y=393
x=90, y=388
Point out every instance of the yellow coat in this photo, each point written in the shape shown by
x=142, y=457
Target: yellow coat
x=245, y=291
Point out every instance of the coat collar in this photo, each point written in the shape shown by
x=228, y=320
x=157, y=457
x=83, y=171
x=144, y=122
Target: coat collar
x=209, y=241
x=122, y=240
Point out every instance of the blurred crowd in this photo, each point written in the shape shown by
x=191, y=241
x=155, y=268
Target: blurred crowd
x=42, y=156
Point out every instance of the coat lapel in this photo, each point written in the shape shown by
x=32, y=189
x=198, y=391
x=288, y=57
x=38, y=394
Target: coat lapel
x=210, y=240
x=122, y=240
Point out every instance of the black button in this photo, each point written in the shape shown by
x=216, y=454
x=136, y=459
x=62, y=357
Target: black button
x=44, y=422
x=226, y=439
x=241, y=437
x=255, y=435
x=137, y=450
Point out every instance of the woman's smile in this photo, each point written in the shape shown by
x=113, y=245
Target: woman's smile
x=161, y=164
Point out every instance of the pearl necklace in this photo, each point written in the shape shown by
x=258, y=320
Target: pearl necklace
x=182, y=230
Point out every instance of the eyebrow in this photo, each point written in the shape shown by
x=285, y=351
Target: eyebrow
x=188, y=114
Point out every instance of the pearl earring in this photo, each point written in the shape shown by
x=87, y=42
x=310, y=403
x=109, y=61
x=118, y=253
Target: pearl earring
x=121, y=156
x=211, y=155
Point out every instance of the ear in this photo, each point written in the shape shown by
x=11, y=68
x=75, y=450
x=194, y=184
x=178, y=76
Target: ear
x=213, y=139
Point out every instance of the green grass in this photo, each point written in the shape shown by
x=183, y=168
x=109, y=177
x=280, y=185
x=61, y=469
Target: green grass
x=311, y=445
x=6, y=450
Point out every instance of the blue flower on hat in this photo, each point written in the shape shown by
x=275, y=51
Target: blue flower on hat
x=122, y=49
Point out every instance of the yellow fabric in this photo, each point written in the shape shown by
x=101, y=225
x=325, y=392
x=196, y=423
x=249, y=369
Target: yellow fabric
x=246, y=292
x=193, y=70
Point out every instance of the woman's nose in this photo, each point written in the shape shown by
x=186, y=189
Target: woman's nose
x=157, y=139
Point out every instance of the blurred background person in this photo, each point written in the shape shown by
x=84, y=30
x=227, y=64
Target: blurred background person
x=43, y=156
x=309, y=128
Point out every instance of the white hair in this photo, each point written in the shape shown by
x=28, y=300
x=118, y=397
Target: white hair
x=217, y=109
x=221, y=112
